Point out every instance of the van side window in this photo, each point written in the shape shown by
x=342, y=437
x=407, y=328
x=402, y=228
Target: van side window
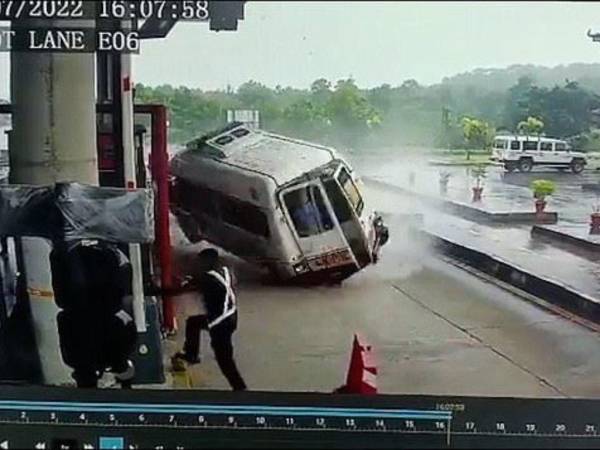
x=561, y=147
x=203, y=200
x=244, y=215
x=224, y=140
x=530, y=145
x=351, y=191
x=546, y=146
x=308, y=211
x=500, y=144
x=240, y=132
x=230, y=210
x=515, y=145
x=341, y=207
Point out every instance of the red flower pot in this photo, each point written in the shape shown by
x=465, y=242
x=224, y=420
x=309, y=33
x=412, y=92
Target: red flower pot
x=540, y=206
x=595, y=223
x=477, y=194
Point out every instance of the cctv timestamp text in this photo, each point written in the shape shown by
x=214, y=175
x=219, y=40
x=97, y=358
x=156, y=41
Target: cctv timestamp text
x=192, y=10
x=189, y=10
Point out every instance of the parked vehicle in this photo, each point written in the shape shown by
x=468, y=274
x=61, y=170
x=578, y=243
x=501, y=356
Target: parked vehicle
x=288, y=205
x=523, y=153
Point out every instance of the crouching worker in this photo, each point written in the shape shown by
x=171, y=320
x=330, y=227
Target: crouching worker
x=92, y=282
x=214, y=281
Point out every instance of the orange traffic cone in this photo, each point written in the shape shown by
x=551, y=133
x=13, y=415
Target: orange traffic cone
x=362, y=373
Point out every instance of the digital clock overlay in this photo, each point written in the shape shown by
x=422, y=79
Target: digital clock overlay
x=80, y=26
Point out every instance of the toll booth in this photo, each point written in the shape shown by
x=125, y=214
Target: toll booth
x=151, y=164
x=18, y=361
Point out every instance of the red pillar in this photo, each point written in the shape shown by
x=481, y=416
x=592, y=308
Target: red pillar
x=160, y=174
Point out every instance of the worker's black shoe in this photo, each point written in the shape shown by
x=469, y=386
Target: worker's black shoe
x=187, y=358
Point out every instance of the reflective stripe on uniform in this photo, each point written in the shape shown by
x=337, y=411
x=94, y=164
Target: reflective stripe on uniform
x=229, y=306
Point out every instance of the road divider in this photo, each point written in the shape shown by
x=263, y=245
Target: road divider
x=575, y=237
x=547, y=289
x=471, y=211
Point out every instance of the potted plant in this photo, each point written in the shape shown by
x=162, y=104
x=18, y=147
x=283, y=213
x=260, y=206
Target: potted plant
x=595, y=218
x=542, y=189
x=444, y=179
x=479, y=173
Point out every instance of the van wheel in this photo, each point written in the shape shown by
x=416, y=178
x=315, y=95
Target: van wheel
x=525, y=165
x=577, y=166
x=510, y=167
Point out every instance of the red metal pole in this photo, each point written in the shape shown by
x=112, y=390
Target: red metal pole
x=160, y=173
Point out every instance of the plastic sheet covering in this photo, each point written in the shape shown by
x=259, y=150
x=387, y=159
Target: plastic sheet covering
x=73, y=211
x=111, y=214
x=28, y=211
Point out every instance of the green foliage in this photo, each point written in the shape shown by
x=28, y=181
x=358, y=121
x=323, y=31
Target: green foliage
x=542, y=188
x=531, y=127
x=350, y=112
x=478, y=134
x=404, y=114
x=565, y=111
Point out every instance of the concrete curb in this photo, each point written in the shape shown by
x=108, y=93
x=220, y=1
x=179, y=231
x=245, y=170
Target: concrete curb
x=435, y=163
x=594, y=187
x=547, y=289
x=471, y=212
x=561, y=237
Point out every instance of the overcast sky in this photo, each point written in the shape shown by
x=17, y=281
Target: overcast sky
x=293, y=43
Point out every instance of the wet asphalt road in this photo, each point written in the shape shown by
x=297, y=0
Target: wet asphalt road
x=435, y=329
x=564, y=264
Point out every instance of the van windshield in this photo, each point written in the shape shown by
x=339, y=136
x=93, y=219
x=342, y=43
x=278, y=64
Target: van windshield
x=351, y=191
x=308, y=211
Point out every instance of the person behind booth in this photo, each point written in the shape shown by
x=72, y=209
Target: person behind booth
x=92, y=282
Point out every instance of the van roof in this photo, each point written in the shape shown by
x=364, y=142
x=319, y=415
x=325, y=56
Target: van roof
x=527, y=138
x=278, y=157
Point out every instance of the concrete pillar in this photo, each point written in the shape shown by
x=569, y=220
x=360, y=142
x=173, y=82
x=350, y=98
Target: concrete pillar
x=53, y=140
x=130, y=169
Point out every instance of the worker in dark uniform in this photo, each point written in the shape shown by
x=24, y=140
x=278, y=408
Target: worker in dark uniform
x=215, y=282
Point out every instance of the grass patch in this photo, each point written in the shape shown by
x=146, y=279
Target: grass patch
x=460, y=159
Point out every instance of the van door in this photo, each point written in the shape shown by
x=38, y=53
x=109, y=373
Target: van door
x=318, y=233
x=548, y=153
x=348, y=206
x=561, y=153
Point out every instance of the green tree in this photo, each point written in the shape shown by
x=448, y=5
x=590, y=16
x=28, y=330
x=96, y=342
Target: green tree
x=478, y=134
x=320, y=91
x=352, y=116
x=307, y=120
x=517, y=102
x=532, y=126
x=381, y=97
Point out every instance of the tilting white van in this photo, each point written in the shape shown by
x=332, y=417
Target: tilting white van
x=288, y=205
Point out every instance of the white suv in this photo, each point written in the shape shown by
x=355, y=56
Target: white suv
x=524, y=152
